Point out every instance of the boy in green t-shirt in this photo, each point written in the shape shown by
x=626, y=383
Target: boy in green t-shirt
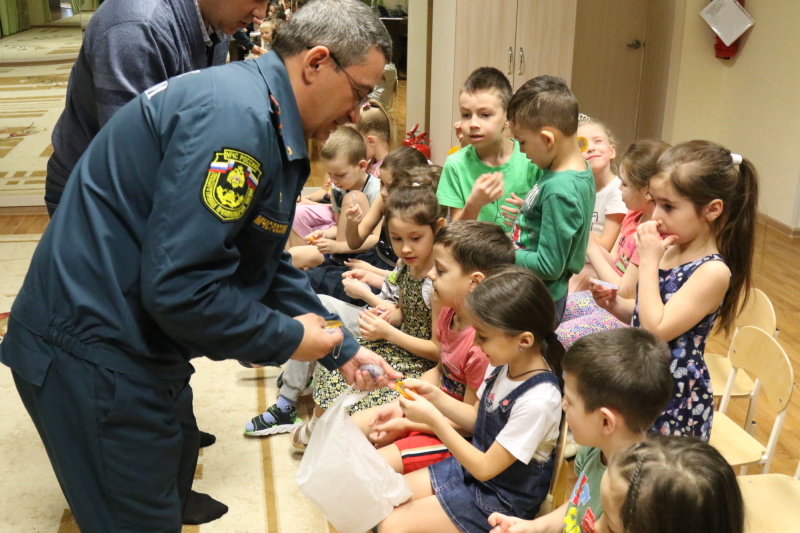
x=552, y=229
x=487, y=179
x=616, y=383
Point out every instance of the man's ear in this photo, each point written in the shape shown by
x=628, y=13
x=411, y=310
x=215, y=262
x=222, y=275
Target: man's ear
x=713, y=209
x=312, y=60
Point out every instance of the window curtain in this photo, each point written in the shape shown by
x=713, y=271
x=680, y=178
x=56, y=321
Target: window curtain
x=76, y=6
x=9, y=17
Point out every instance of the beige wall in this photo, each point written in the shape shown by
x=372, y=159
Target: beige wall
x=750, y=104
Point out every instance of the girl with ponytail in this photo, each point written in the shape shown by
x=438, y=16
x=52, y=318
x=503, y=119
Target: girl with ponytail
x=507, y=466
x=695, y=264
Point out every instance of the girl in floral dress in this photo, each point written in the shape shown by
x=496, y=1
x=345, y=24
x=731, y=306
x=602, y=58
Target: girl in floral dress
x=401, y=333
x=695, y=261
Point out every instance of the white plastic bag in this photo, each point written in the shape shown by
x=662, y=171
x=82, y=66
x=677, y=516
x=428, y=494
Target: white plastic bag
x=345, y=475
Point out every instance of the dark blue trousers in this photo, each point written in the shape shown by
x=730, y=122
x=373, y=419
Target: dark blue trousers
x=124, y=448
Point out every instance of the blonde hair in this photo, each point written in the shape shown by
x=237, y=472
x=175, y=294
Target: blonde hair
x=375, y=121
x=347, y=142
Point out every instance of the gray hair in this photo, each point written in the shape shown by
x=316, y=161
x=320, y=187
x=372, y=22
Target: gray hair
x=348, y=28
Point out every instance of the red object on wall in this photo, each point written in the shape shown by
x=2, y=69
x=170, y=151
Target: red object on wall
x=722, y=50
x=418, y=142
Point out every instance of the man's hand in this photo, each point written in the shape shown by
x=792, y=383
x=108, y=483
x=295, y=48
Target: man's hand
x=317, y=341
x=361, y=379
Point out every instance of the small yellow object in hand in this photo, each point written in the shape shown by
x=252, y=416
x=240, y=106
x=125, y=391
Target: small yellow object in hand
x=400, y=387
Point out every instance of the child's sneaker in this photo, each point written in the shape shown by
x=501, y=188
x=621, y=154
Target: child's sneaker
x=280, y=422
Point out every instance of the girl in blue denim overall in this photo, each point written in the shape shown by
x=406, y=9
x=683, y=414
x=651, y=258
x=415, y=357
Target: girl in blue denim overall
x=508, y=464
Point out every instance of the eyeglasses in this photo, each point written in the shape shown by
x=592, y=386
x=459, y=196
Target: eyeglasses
x=359, y=99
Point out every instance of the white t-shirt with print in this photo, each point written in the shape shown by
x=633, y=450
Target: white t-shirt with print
x=607, y=201
x=532, y=428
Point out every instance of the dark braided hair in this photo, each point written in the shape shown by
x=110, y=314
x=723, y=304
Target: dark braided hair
x=678, y=484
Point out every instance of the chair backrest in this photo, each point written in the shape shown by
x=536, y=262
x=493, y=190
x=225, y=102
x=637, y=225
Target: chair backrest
x=758, y=312
x=757, y=352
x=558, y=484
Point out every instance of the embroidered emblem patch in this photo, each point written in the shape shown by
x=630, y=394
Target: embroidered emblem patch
x=231, y=183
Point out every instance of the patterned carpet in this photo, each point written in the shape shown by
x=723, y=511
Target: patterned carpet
x=254, y=477
x=34, y=70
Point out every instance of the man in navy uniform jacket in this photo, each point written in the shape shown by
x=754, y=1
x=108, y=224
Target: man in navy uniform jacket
x=168, y=243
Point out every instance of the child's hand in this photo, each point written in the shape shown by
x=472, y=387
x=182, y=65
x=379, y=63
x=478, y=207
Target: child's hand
x=427, y=390
x=650, y=244
x=356, y=273
x=606, y=297
x=328, y=246
x=419, y=409
x=388, y=425
x=354, y=214
x=314, y=236
x=459, y=132
x=510, y=213
x=511, y=524
x=355, y=288
x=359, y=264
x=373, y=327
x=382, y=312
x=384, y=413
x=488, y=188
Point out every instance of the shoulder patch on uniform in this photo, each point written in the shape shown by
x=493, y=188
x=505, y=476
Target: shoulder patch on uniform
x=231, y=183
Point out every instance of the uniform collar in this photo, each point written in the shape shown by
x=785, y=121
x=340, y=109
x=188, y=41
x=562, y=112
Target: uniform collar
x=282, y=97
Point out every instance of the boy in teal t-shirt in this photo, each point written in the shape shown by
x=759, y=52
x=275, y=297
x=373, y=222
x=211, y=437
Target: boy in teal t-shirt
x=552, y=230
x=488, y=178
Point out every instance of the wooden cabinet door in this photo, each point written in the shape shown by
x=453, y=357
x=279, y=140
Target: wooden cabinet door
x=485, y=37
x=545, y=39
x=610, y=40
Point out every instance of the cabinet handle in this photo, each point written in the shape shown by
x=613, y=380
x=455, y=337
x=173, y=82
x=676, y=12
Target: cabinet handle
x=510, y=61
x=521, y=61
